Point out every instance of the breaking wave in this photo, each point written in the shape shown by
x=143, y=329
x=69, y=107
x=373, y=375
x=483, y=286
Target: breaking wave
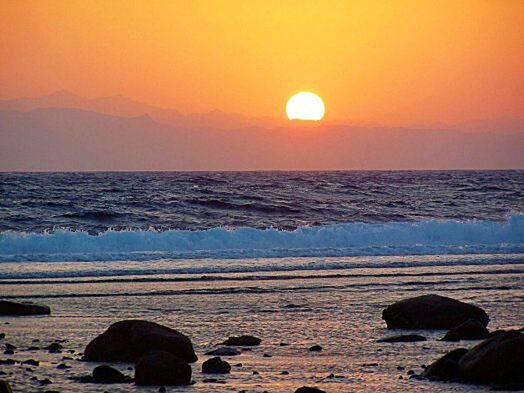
x=430, y=237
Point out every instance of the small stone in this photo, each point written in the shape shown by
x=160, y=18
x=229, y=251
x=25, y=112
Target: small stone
x=411, y=372
x=9, y=346
x=284, y=373
x=63, y=366
x=162, y=389
x=267, y=355
x=315, y=348
x=46, y=381
x=54, y=348
x=9, y=352
x=31, y=362
x=256, y=373
x=216, y=366
x=244, y=340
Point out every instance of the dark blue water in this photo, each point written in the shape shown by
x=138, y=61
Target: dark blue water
x=152, y=216
x=95, y=202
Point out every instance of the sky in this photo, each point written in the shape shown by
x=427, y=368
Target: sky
x=393, y=63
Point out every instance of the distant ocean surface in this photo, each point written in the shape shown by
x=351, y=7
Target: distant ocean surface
x=175, y=215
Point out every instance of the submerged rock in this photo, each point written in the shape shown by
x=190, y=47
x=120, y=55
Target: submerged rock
x=403, y=338
x=13, y=308
x=216, y=366
x=162, y=368
x=315, y=348
x=431, y=312
x=243, y=341
x=107, y=374
x=469, y=330
x=125, y=341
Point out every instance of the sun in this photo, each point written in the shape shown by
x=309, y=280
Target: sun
x=305, y=106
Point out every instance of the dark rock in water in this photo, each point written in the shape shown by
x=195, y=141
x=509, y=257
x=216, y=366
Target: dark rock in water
x=46, y=381
x=126, y=341
x=267, y=355
x=404, y=338
x=13, y=308
x=446, y=367
x=431, y=312
x=9, y=346
x=63, y=366
x=8, y=362
x=33, y=348
x=497, y=360
x=243, y=341
x=162, y=368
x=224, y=352
x=291, y=305
x=308, y=389
x=9, y=352
x=54, y=347
x=31, y=362
x=2, y=335
x=469, y=330
x=315, y=348
x=107, y=374
x=215, y=366
x=5, y=387
x=162, y=389
x=284, y=372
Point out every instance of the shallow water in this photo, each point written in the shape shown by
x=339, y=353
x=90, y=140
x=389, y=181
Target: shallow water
x=340, y=309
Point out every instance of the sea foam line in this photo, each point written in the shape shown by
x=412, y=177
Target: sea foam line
x=350, y=239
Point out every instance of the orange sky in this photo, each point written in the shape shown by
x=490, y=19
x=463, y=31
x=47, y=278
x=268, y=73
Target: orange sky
x=387, y=62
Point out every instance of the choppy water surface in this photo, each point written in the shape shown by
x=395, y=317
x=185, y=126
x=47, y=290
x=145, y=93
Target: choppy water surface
x=152, y=216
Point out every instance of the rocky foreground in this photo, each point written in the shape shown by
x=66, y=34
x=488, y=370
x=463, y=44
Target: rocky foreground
x=162, y=356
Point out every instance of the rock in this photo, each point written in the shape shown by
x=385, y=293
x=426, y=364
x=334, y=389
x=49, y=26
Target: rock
x=403, y=338
x=46, y=381
x=2, y=336
x=8, y=362
x=125, y=341
x=9, y=352
x=431, y=312
x=308, y=389
x=497, y=360
x=33, y=348
x=469, y=330
x=162, y=389
x=243, y=341
x=107, y=374
x=5, y=387
x=63, y=366
x=162, y=368
x=446, y=367
x=267, y=355
x=216, y=366
x=9, y=346
x=13, y=308
x=284, y=372
x=31, y=362
x=315, y=348
x=224, y=351
x=54, y=348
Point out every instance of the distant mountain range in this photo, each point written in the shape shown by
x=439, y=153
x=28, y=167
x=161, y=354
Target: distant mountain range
x=118, y=105
x=94, y=138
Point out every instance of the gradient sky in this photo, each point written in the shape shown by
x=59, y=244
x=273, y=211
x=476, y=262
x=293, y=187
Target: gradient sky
x=386, y=62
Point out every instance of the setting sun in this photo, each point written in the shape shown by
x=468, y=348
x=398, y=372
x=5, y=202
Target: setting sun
x=305, y=106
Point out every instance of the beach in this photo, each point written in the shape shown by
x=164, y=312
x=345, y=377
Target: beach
x=340, y=310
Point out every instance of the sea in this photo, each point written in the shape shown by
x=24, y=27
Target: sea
x=295, y=258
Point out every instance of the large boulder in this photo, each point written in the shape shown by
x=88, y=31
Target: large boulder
x=216, y=366
x=162, y=368
x=497, y=360
x=13, y=308
x=431, y=312
x=126, y=341
x=446, y=367
x=469, y=330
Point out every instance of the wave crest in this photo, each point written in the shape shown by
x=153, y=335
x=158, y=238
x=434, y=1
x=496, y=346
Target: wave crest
x=350, y=239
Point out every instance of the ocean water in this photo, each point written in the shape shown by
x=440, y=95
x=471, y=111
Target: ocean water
x=219, y=254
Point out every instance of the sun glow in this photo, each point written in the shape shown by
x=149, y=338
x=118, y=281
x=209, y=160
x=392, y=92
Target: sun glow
x=305, y=106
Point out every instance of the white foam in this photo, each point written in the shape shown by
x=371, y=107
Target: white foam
x=351, y=239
